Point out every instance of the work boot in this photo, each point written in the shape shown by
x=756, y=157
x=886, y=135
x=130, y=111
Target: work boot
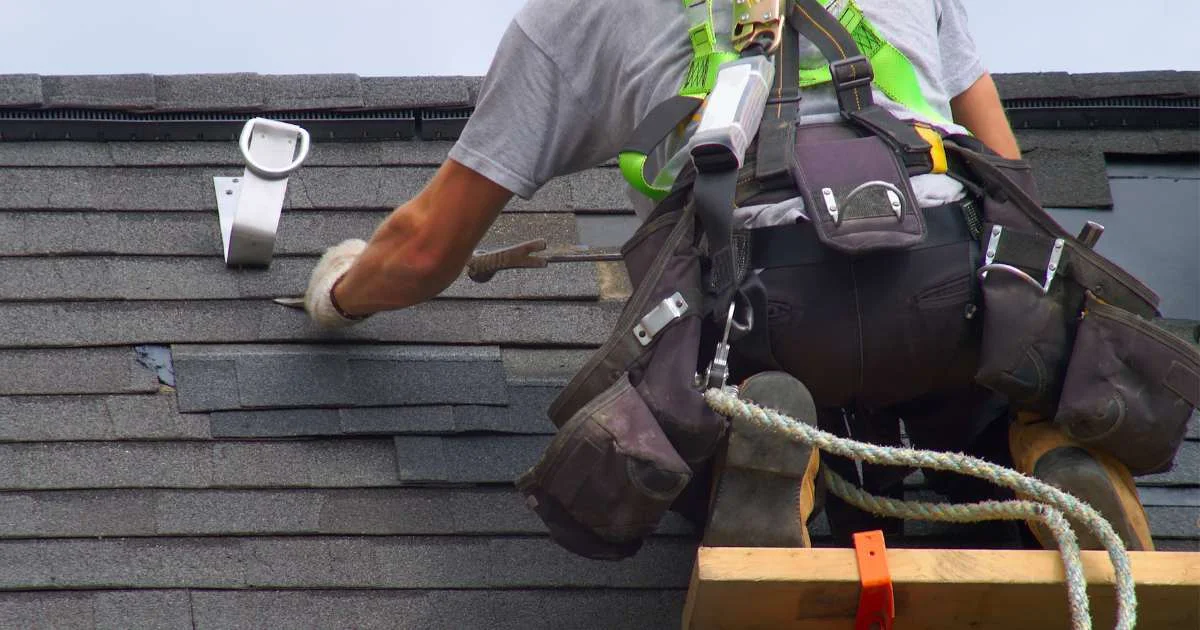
x=1041, y=449
x=766, y=486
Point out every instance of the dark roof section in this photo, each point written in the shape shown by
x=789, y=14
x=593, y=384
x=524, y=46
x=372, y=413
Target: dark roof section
x=178, y=451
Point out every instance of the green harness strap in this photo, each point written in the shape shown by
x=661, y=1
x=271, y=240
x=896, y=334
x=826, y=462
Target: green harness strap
x=894, y=73
x=894, y=76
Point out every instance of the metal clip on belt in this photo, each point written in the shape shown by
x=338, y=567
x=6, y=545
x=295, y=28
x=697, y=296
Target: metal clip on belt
x=1052, y=264
x=249, y=206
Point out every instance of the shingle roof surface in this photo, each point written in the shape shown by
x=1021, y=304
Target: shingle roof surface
x=270, y=474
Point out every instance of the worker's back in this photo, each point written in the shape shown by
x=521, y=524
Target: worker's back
x=572, y=79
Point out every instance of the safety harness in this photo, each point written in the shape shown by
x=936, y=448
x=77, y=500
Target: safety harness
x=1062, y=328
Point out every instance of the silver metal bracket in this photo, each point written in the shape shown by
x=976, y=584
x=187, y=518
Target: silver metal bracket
x=1052, y=264
x=653, y=322
x=249, y=206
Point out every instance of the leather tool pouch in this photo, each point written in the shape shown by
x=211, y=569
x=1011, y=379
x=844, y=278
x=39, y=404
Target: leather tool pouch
x=632, y=423
x=1130, y=388
x=1068, y=334
x=856, y=190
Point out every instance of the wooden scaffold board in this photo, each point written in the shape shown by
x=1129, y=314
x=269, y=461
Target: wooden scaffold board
x=934, y=589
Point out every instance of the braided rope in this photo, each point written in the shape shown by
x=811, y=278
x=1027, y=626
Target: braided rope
x=1049, y=502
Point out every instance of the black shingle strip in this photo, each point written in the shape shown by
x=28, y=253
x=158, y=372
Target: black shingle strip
x=332, y=562
x=274, y=511
x=525, y=414
x=30, y=233
x=73, y=371
x=496, y=610
x=1112, y=141
x=466, y=459
x=1174, y=522
x=339, y=463
x=114, y=91
x=172, y=278
x=1170, y=497
x=80, y=417
x=1068, y=178
x=71, y=324
x=97, y=609
x=332, y=187
x=1098, y=85
x=224, y=154
x=265, y=376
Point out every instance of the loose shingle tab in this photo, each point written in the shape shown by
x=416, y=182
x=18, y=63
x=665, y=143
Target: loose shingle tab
x=82, y=371
x=117, y=91
x=296, y=376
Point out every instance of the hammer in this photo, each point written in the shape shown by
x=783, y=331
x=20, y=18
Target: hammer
x=484, y=265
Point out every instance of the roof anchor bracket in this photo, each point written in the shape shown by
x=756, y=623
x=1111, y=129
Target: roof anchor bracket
x=249, y=206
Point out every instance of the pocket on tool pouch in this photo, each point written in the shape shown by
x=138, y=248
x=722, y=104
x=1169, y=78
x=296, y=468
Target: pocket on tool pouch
x=1026, y=340
x=607, y=478
x=1130, y=389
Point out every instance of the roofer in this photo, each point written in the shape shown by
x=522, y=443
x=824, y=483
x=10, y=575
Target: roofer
x=841, y=251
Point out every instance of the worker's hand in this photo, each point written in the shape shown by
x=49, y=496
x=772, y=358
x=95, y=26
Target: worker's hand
x=318, y=300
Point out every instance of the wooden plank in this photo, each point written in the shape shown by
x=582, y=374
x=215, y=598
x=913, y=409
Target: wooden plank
x=817, y=589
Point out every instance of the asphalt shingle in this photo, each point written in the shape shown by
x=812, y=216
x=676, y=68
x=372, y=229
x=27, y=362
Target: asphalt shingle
x=92, y=91
x=331, y=562
x=241, y=92
x=411, y=92
x=81, y=417
x=389, y=610
x=175, y=278
x=20, y=90
x=312, y=91
x=243, y=321
x=294, y=376
x=1068, y=178
x=466, y=459
x=73, y=371
x=340, y=463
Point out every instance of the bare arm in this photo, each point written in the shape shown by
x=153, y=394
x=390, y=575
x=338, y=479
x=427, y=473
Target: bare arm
x=979, y=110
x=423, y=245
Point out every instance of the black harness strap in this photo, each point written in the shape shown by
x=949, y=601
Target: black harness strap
x=852, y=75
x=777, y=131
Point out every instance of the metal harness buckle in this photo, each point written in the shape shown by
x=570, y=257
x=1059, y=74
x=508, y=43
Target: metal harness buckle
x=1052, y=263
x=758, y=21
x=717, y=373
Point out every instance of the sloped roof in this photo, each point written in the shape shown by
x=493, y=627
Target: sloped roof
x=178, y=451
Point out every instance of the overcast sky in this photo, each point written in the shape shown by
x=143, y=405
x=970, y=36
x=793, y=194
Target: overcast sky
x=407, y=37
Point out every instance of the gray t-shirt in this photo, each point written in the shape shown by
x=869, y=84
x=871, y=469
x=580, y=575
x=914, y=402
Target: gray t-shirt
x=571, y=80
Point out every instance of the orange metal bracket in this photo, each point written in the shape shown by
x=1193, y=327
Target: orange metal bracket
x=876, y=604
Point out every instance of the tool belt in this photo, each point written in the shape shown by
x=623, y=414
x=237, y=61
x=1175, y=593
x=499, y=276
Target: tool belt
x=1062, y=331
